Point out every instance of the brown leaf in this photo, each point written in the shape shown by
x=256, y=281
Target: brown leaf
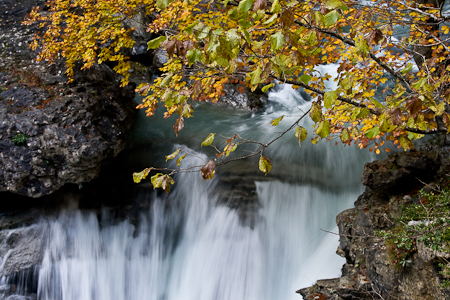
x=179, y=125
x=446, y=120
x=170, y=47
x=395, y=116
x=183, y=47
x=414, y=106
x=266, y=72
x=431, y=61
x=231, y=139
x=259, y=5
x=181, y=50
x=378, y=36
x=358, y=14
x=241, y=89
x=208, y=170
x=196, y=89
x=144, y=88
x=287, y=18
x=375, y=36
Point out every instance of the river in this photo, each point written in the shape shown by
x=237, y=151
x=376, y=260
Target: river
x=205, y=241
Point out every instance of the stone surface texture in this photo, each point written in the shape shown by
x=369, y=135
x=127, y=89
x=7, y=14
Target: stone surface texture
x=53, y=132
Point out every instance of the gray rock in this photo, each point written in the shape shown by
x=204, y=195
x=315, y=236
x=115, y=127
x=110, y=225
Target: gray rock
x=20, y=249
x=245, y=100
x=160, y=58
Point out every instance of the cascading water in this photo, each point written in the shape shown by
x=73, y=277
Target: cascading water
x=190, y=244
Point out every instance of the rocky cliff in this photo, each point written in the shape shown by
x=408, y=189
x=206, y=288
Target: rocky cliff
x=52, y=132
x=375, y=268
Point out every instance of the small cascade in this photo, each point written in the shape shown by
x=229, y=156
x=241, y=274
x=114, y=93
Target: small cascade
x=193, y=244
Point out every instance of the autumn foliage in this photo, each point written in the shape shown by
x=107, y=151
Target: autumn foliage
x=392, y=57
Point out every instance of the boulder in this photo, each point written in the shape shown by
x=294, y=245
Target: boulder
x=244, y=99
x=400, y=171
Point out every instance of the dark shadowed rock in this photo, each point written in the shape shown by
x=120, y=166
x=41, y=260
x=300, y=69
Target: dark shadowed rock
x=400, y=171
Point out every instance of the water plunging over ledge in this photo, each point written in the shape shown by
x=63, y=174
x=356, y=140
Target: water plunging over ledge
x=194, y=244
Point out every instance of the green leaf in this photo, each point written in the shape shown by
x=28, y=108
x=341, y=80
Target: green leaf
x=329, y=98
x=197, y=29
x=301, y=134
x=311, y=38
x=331, y=18
x=376, y=103
x=418, y=84
x=331, y=4
x=315, y=113
x=245, y=5
x=186, y=109
x=234, y=38
x=408, y=68
x=260, y=14
x=162, y=181
x=246, y=35
x=193, y=56
x=345, y=135
x=315, y=140
x=275, y=6
x=245, y=24
x=346, y=83
x=264, y=165
x=355, y=113
x=266, y=87
x=323, y=130
x=319, y=18
x=271, y=19
x=405, y=142
x=166, y=79
x=153, y=44
x=305, y=78
x=180, y=159
x=276, y=121
x=209, y=140
x=277, y=41
x=230, y=147
x=355, y=132
x=138, y=176
x=256, y=76
x=162, y=4
x=361, y=46
x=372, y=133
x=440, y=109
x=363, y=113
x=173, y=155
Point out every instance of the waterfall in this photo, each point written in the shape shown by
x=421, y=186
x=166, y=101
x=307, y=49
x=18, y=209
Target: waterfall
x=191, y=244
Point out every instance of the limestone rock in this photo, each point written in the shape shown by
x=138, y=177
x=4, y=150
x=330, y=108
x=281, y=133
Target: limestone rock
x=52, y=132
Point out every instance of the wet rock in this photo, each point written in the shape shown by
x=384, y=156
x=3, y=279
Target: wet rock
x=244, y=100
x=20, y=249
